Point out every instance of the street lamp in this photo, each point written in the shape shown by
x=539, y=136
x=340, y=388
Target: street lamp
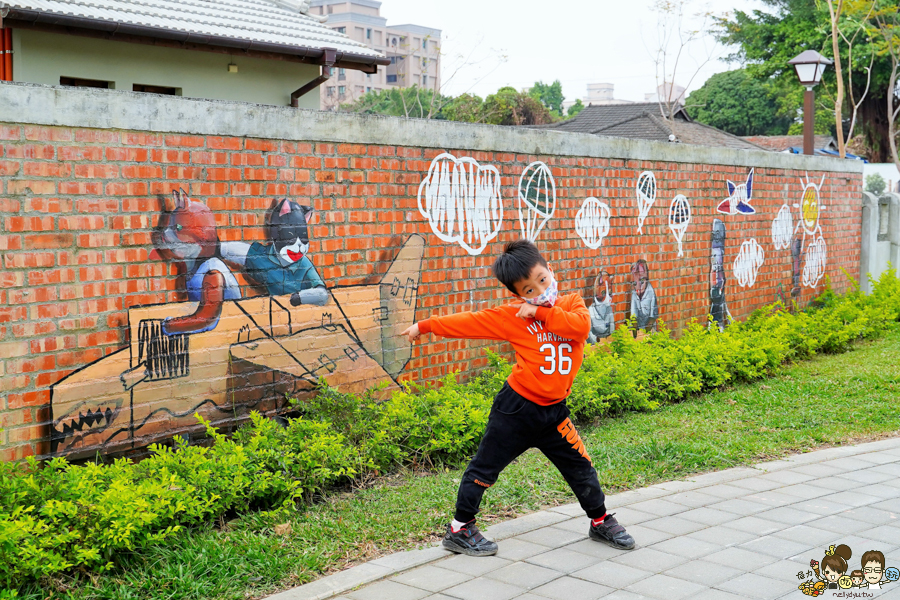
x=809, y=66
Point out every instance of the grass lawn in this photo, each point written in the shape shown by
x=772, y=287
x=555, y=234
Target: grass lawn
x=828, y=400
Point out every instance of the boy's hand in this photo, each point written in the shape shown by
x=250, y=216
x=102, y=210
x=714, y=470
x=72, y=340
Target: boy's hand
x=412, y=333
x=526, y=311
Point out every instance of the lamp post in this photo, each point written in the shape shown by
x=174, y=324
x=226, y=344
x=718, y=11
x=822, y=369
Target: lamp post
x=809, y=66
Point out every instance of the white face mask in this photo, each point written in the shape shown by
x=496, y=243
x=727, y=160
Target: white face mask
x=548, y=297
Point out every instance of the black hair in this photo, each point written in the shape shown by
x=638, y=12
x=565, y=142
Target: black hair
x=516, y=262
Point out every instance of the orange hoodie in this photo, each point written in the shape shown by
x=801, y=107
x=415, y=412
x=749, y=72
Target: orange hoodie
x=549, y=348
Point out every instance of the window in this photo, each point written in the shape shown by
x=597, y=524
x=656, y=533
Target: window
x=424, y=79
x=342, y=74
x=392, y=79
x=93, y=83
x=342, y=91
x=338, y=29
x=394, y=42
x=424, y=63
x=368, y=34
x=156, y=89
x=368, y=89
x=330, y=91
x=330, y=10
x=425, y=44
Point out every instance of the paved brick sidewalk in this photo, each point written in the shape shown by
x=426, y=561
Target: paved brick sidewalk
x=739, y=533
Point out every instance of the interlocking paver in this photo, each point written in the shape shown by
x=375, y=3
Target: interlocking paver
x=551, y=537
x=742, y=533
x=811, y=534
x=388, y=589
x=723, y=535
x=569, y=588
x=648, y=559
x=703, y=572
x=515, y=549
x=757, y=586
x=482, y=588
x=564, y=560
x=740, y=558
x=665, y=587
x=524, y=575
x=474, y=566
x=612, y=574
x=687, y=547
x=431, y=578
x=777, y=547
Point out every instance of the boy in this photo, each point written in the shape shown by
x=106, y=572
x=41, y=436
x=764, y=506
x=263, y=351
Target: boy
x=547, y=333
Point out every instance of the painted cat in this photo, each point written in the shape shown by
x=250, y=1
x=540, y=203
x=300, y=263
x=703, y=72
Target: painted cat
x=282, y=265
x=187, y=236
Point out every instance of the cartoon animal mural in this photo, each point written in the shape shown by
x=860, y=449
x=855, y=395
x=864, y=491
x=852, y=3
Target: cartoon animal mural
x=221, y=355
x=739, y=196
x=645, y=190
x=718, y=307
x=603, y=321
x=537, y=199
x=461, y=200
x=644, y=308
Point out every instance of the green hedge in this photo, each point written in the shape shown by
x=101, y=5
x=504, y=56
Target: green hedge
x=56, y=517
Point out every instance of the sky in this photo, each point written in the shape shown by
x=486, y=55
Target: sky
x=488, y=44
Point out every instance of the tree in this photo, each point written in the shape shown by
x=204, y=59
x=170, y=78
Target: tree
x=576, y=108
x=875, y=184
x=767, y=40
x=413, y=102
x=511, y=107
x=734, y=102
x=550, y=95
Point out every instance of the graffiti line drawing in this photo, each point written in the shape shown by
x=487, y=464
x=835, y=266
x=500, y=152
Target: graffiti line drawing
x=782, y=228
x=537, y=199
x=643, y=299
x=679, y=218
x=461, y=200
x=718, y=307
x=814, y=267
x=602, y=317
x=739, y=196
x=748, y=262
x=182, y=358
x=592, y=222
x=646, y=196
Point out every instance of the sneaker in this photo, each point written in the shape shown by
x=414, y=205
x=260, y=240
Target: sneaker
x=468, y=540
x=611, y=533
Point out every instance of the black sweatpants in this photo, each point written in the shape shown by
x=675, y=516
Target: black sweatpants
x=515, y=425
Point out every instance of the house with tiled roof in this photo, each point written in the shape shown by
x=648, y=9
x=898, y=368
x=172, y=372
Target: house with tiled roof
x=645, y=121
x=789, y=143
x=261, y=51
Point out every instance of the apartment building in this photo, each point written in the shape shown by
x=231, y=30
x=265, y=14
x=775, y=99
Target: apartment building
x=413, y=50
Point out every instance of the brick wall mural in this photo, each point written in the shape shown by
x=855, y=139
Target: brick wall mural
x=151, y=276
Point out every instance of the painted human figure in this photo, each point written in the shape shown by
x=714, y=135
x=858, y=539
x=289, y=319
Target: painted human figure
x=602, y=317
x=282, y=265
x=643, y=299
x=718, y=308
x=834, y=565
x=187, y=236
x=873, y=569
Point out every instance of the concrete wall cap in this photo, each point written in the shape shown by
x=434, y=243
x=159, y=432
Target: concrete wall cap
x=112, y=109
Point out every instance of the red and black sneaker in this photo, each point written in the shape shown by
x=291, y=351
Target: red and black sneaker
x=468, y=540
x=611, y=533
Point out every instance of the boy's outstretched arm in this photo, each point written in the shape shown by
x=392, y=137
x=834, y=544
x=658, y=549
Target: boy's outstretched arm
x=572, y=322
x=482, y=325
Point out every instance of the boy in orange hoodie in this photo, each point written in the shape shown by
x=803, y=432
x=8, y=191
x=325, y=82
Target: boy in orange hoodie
x=548, y=333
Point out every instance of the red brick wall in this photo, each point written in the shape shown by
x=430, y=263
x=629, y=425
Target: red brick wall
x=77, y=207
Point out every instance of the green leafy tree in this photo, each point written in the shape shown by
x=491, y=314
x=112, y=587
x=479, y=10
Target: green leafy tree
x=767, y=39
x=467, y=108
x=875, y=184
x=576, y=108
x=508, y=106
x=413, y=102
x=550, y=95
x=734, y=102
